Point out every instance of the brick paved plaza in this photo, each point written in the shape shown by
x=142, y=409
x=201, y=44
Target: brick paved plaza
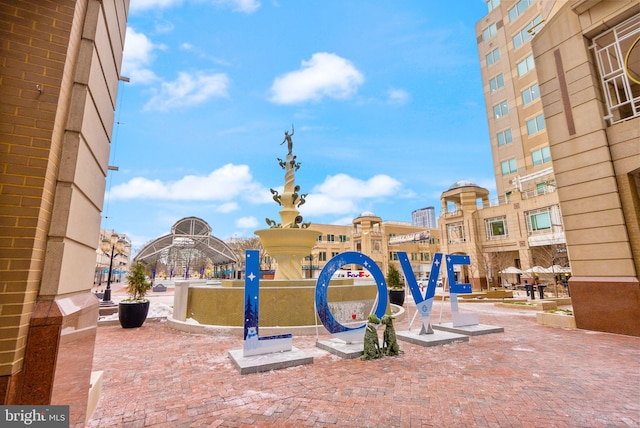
x=528, y=376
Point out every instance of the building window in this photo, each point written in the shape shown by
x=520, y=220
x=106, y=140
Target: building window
x=489, y=32
x=504, y=137
x=342, y=238
x=496, y=228
x=322, y=256
x=535, y=125
x=376, y=246
x=500, y=110
x=492, y=4
x=425, y=257
x=334, y=253
x=524, y=35
x=541, y=156
x=519, y=8
x=509, y=166
x=331, y=238
x=530, y=94
x=544, y=220
x=393, y=255
x=496, y=83
x=414, y=257
x=455, y=233
x=539, y=220
x=493, y=56
x=616, y=55
x=526, y=65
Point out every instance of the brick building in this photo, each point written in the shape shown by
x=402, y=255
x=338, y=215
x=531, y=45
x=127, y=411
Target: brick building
x=59, y=73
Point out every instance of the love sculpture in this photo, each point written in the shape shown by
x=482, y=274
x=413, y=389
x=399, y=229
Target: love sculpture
x=254, y=344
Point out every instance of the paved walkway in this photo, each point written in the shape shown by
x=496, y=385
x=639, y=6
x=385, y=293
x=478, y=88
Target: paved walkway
x=528, y=376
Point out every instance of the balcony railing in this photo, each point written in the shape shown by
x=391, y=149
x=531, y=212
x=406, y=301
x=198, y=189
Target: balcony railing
x=532, y=193
x=451, y=214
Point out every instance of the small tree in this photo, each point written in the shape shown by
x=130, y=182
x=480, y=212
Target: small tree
x=137, y=286
x=393, y=278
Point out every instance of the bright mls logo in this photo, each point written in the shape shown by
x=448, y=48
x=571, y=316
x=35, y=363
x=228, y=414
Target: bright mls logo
x=34, y=416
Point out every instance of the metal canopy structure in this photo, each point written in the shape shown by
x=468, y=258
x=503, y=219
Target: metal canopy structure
x=190, y=243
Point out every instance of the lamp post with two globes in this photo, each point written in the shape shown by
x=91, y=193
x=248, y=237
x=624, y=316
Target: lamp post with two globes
x=111, y=247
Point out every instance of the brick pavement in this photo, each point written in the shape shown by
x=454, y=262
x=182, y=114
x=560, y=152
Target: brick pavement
x=528, y=376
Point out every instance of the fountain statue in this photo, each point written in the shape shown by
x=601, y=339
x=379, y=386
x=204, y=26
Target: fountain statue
x=288, y=299
x=291, y=239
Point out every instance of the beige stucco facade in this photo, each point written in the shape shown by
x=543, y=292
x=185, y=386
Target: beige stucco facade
x=564, y=121
x=595, y=145
x=60, y=63
x=378, y=239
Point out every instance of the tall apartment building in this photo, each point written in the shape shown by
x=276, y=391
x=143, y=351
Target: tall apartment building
x=562, y=92
x=59, y=71
x=424, y=217
x=523, y=228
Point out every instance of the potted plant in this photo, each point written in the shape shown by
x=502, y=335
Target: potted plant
x=132, y=311
x=396, y=287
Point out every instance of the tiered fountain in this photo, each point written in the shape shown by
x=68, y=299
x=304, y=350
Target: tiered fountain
x=290, y=240
x=287, y=299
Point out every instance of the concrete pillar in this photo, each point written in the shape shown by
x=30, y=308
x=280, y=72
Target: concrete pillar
x=180, y=300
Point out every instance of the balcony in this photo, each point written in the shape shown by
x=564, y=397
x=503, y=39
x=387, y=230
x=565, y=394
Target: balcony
x=538, y=191
x=452, y=214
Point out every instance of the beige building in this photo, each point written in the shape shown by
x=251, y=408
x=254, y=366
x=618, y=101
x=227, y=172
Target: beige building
x=588, y=65
x=562, y=91
x=523, y=228
x=59, y=71
x=378, y=239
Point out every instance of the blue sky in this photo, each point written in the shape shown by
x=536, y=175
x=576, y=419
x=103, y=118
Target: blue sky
x=386, y=99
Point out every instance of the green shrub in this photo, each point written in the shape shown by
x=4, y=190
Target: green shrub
x=137, y=286
x=393, y=279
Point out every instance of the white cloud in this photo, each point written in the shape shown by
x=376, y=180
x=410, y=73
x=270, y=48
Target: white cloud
x=247, y=222
x=342, y=194
x=243, y=6
x=324, y=75
x=397, y=96
x=137, y=57
x=227, y=207
x=344, y=221
x=322, y=204
x=163, y=27
x=189, y=89
x=223, y=184
x=139, y=5
x=345, y=186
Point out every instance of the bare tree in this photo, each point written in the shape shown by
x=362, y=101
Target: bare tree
x=240, y=245
x=551, y=256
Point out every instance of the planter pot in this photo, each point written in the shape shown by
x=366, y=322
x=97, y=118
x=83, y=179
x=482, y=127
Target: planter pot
x=132, y=314
x=396, y=297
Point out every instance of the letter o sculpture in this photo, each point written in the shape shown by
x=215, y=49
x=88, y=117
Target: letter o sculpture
x=333, y=326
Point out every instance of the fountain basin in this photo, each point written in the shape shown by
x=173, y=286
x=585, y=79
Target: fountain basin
x=288, y=246
x=288, y=304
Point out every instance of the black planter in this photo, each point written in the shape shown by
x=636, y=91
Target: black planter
x=132, y=314
x=396, y=297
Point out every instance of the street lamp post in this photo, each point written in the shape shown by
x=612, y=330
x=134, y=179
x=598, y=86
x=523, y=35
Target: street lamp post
x=111, y=248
